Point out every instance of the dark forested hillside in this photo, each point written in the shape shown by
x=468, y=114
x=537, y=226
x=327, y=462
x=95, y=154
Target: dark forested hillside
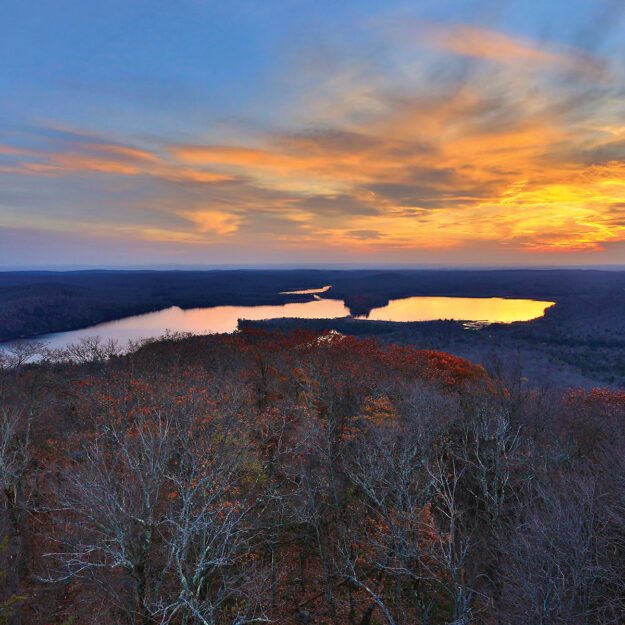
x=305, y=479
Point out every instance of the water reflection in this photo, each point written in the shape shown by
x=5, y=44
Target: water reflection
x=198, y=321
x=323, y=289
x=485, y=309
x=226, y=318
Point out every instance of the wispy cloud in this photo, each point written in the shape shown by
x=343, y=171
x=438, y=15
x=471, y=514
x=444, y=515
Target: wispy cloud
x=491, y=45
x=213, y=221
x=530, y=161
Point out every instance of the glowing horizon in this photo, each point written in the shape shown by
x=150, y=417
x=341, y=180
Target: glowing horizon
x=458, y=133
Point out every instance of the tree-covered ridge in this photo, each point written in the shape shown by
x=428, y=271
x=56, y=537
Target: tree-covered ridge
x=305, y=478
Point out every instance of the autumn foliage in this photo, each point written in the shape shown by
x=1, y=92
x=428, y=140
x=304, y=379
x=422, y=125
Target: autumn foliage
x=305, y=478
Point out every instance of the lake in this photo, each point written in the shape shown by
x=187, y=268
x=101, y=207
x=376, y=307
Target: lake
x=475, y=309
x=225, y=318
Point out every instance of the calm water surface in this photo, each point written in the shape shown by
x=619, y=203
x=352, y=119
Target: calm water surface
x=225, y=318
x=323, y=289
x=485, y=309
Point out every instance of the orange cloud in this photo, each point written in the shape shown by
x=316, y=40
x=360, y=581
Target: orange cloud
x=289, y=165
x=122, y=152
x=10, y=150
x=487, y=44
x=106, y=158
x=78, y=162
x=482, y=43
x=496, y=161
x=213, y=221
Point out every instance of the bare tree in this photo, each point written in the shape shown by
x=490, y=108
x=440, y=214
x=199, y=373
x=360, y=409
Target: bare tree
x=213, y=576
x=16, y=355
x=555, y=572
x=88, y=350
x=153, y=517
x=454, y=538
x=14, y=462
x=110, y=498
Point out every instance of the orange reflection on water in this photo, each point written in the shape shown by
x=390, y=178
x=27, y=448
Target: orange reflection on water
x=488, y=309
x=219, y=319
x=198, y=321
x=307, y=291
x=225, y=318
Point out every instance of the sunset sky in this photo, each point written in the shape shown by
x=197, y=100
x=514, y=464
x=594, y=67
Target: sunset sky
x=447, y=132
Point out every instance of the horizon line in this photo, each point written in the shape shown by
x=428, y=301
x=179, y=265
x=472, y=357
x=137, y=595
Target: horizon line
x=302, y=267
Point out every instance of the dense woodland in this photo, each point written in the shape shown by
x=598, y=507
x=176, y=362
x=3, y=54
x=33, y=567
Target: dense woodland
x=304, y=479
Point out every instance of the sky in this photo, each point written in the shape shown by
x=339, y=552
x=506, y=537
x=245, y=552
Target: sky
x=443, y=132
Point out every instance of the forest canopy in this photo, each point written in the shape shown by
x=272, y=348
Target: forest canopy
x=305, y=478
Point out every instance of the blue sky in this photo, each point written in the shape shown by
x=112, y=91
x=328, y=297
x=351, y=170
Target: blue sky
x=288, y=131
